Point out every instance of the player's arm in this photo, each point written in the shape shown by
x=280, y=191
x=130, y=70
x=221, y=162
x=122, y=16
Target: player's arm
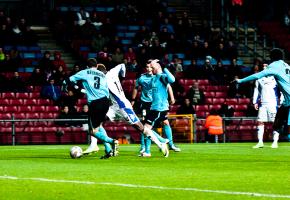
x=265, y=72
x=135, y=92
x=171, y=95
x=168, y=76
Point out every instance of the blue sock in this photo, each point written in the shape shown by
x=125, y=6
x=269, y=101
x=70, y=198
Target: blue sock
x=147, y=142
x=107, y=147
x=102, y=135
x=168, y=133
x=142, y=141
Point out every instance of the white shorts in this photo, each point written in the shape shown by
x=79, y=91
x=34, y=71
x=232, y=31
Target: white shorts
x=122, y=110
x=267, y=113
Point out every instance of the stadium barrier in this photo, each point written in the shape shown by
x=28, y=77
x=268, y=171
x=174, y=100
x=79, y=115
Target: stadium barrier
x=186, y=128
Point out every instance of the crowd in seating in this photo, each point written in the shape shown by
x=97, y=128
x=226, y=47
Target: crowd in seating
x=130, y=34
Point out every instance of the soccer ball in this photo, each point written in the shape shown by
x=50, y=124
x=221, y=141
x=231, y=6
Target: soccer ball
x=76, y=152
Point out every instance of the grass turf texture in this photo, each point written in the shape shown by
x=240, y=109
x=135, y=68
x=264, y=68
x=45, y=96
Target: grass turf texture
x=200, y=171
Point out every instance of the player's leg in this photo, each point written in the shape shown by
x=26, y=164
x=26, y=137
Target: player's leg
x=280, y=119
x=262, y=116
x=167, y=131
x=97, y=114
x=93, y=146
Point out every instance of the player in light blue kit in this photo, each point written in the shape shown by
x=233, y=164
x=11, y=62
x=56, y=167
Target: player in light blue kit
x=144, y=83
x=97, y=92
x=160, y=105
x=281, y=72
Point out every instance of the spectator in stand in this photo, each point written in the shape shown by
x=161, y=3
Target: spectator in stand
x=5, y=35
x=65, y=114
x=58, y=61
x=46, y=65
x=156, y=49
x=95, y=20
x=233, y=70
x=221, y=52
x=69, y=99
x=76, y=68
x=192, y=71
x=214, y=126
x=98, y=42
x=8, y=64
x=118, y=56
x=186, y=107
x=205, y=50
x=173, y=44
x=114, y=43
x=220, y=73
x=51, y=91
x=142, y=56
x=37, y=78
x=196, y=95
x=130, y=55
x=81, y=16
x=140, y=35
x=178, y=91
x=29, y=37
x=210, y=70
x=108, y=28
x=59, y=75
x=232, y=50
x=17, y=84
x=226, y=110
x=168, y=26
x=194, y=50
x=164, y=35
x=176, y=65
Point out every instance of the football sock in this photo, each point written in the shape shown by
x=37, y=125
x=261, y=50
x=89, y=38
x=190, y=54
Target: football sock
x=260, y=133
x=107, y=147
x=102, y=135
x=94, y=142
x=275, y=136
x=142, y=141
x=168, y=133
x=147, y=144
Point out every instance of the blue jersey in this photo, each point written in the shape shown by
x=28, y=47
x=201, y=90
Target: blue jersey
x=281, y=71
x=94, y=82
x=159, y=85
x=144, y=81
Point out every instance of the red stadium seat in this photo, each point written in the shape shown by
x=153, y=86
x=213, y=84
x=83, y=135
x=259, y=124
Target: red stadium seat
x=218, y=101
x=38, y=109
x=203, y=82
x=16, y=102
x=52, y=109
x=30, y=102
x=201, y=108
x=216, y=107
x=209, y=100
x=44, y=102
x=22, y=95
x=244, y=101
x=34, y=95
x=4, y=102
x=209, y=94
x=241, y=107
x=32, y=115
x=24, y=109
x=10, y=109
x=232, y=101
x=8, y=95
x=221, y=94
x=19, y=116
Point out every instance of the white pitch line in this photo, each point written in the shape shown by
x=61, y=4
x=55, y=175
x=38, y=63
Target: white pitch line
x=255, y=194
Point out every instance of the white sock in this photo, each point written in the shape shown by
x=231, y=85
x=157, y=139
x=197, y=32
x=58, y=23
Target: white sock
x=260, y=133
x=94, y=142
x=275, y=136
x=151, y=135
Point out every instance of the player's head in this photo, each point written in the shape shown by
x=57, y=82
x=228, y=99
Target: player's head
x=156, y=67
x=92, y=62
x=276, y=54
x=149, y=68
x=102, y=68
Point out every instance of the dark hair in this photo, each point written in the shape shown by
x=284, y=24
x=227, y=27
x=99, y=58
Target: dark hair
x=276, y=54
x=92, y=62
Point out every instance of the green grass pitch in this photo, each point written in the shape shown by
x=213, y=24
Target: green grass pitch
x=201, y=171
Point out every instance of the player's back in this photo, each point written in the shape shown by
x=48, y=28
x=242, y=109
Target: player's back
x=145, y=82
x=94, y=82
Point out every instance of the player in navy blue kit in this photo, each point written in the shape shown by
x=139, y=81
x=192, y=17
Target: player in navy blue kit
x=281, y=72
x=97, y=92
